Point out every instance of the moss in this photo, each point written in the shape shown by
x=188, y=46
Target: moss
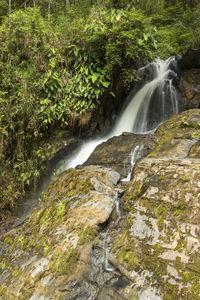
x=134, y=296
x=170, y=291
x=63, y=262
x=9, y=239
x=192, y=280
x=27, y=293
x=86, y=235
x=186, y=178
x=16, y=273
x=96, y=242
x=161, y=209
x=4, y=291
x=195, y=266
x=160, y=224
x=182, y=243
x=195, y=151
x=127, y=256
x=124, y=250
x=186, y=124
x=196, y=135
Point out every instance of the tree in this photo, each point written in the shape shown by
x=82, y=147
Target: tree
x=9, y=7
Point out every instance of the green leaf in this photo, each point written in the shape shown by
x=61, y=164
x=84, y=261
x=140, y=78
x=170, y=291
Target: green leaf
x=145, y=36
x=106, y=84
x=140, y=42
x=94, y=77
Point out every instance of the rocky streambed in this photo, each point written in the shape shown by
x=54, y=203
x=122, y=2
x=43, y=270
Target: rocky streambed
x=96, y=237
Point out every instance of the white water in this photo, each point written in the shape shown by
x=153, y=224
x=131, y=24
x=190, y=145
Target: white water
x=135, y=155
x=151, y=106
x=135, y=116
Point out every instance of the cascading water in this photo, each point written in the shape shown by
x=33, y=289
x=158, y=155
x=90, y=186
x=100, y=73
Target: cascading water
x=155, y=102
x=135, y=155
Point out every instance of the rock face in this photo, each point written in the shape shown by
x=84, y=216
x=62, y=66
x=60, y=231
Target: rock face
x=116, y=152
x=84, y=242
x=189, y=88
x=47, y=256
x=191, y=59
x=160, y=238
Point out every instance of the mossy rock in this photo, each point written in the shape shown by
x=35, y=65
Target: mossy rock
x=54, y=245
x=162, y=225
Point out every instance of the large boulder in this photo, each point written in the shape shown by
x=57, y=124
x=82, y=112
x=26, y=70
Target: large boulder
x=116, y=153
x=48, y=255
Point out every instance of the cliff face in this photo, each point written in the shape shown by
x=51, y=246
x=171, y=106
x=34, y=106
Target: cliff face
x=189, y=88
x=189, y=85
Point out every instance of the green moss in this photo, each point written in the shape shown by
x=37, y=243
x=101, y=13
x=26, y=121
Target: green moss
x=4, y=291
x=63, y=262
x=160, y=224
x=86, y=235
x=170, y=291
x=124, y=250
x=127, y=256
x=196, y=135
x=16, y=273
x=187, y=124
x=192, y=280
x=182, y=244
x=134, y=296
x=195, y=266
x=186, y=178
x=9, y=239
x=161, y=209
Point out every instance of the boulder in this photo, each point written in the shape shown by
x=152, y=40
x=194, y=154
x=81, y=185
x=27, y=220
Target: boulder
x=116, y=153
x=46, y=258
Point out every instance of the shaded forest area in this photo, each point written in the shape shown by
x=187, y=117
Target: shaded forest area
x=61, y=58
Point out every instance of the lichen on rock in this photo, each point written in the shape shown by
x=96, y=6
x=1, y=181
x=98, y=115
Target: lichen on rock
x=162, y=228
x=54, y=245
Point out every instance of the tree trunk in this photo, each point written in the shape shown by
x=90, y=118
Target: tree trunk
x=49, y=8
x=67, y=5
x=9, y=7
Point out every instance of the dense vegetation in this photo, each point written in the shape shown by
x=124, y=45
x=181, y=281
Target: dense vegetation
x=58, y=58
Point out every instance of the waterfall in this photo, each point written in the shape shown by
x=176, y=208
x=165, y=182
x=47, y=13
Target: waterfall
x=155, y=102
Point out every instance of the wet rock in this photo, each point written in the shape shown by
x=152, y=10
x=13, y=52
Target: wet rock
x=109, y=294
x=116, y=152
